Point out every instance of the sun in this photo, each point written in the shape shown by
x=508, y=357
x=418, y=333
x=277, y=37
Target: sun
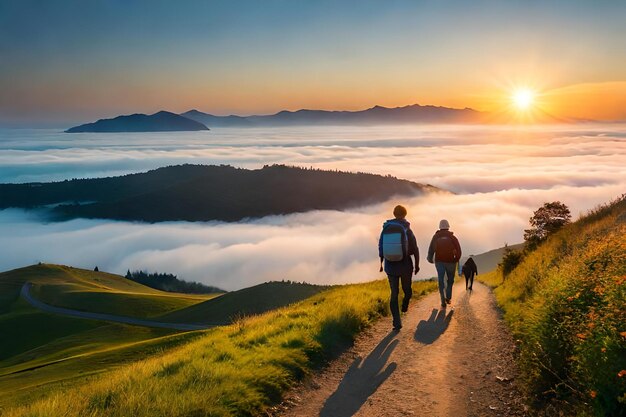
x=523, y=98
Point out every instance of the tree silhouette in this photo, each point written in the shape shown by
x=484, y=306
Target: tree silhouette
x=170, y=283
x=510, y=259
x=546, y=220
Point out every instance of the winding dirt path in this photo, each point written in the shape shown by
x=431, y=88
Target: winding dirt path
x=453, y=362
x=26, y=295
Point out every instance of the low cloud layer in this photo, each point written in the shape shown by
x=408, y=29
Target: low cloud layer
x=500, y=176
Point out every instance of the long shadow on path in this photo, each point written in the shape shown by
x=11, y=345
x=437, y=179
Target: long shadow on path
x=429, y=330
x=362, y=379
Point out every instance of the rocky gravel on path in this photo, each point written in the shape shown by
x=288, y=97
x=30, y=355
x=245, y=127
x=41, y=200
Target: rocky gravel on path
x=457, y=361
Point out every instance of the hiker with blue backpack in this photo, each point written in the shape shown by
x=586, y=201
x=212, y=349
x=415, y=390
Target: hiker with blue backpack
x=444, y=251
x=396, y=245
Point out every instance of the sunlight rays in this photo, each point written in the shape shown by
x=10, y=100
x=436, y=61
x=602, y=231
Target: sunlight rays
x=523, y=98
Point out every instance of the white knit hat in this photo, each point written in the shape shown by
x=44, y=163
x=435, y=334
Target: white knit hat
x=443, y=224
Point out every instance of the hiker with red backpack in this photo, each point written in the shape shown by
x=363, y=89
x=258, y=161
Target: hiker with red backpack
x=396, y=245
x=445, y=252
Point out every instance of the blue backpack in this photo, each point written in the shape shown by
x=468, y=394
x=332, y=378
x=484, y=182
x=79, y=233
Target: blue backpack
x=395, y=242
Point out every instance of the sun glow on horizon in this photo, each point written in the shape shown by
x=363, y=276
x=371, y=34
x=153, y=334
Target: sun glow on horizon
x=523, y=98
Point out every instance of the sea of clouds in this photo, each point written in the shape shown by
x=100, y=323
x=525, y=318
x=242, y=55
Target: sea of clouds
x=499, y=176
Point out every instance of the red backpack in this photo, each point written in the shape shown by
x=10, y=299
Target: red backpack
x=445, y=249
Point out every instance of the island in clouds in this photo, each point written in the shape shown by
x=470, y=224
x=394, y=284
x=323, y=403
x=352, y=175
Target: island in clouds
x=162, y=121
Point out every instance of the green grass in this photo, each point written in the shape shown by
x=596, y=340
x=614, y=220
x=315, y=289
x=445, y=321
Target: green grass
x=38, y=350
x=492, y=278
x=26, y=328
x=566, y=303
x=69, y=362
x=248, y=301
x=23, y=328
x=240, y=369
x=117, y=303
x=99, y=292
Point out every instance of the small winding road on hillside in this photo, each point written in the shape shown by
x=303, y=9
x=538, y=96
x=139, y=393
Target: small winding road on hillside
x=453, y=362
x=26, y=295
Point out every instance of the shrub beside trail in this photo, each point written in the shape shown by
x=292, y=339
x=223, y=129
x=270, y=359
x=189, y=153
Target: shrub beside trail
x=566, y=305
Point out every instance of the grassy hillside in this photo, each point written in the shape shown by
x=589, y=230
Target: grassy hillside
x=240, y=369
x=248, y=301
x=41, y=353
x=65, y=362
x=85, y=290
x=566, y=303
x=38, y=349
x=23, y=328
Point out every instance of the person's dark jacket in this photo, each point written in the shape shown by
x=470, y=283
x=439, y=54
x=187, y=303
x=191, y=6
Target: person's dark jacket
x=444, y=239
x=405, y=266
x=470, y=268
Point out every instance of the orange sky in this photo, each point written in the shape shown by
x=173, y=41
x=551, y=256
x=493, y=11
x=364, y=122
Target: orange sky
x=63, y=63
x=600, y=101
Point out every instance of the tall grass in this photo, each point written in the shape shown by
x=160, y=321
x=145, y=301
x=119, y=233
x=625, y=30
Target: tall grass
x=239, y=369
x=566, y=304
x=493, y=278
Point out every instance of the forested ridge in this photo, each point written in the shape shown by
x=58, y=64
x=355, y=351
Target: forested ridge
x=207, y=192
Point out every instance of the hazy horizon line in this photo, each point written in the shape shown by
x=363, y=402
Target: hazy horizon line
x=227, y=114
x=63, y=124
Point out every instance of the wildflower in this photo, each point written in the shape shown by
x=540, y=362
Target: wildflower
x=623, y=334
x=581, y=336
x=598, y=290
x=593, y=394
x=603, y=350
x=621, y=373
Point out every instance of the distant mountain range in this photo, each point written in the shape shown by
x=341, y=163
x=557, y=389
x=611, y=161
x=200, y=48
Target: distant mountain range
x=162, y=121
x=203, y=193
x=373, y=116
x=192, y=120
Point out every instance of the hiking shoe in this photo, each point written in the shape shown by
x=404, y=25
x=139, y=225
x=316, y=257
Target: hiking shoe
x=397, y=327
x=448, y=300
x=443, y=305
x=405, y=309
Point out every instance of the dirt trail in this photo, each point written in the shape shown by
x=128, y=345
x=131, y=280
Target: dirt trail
x=453, y=362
